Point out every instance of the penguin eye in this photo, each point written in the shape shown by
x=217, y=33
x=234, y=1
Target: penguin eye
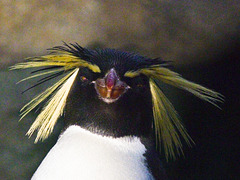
x=83, y=79
x=140, y=85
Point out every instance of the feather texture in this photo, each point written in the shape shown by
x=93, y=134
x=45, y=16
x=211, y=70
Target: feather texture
x=167, y=76
x=167, y=124
x=47, y=119
x=56, y=58
x=61, y=60
x=166, y=120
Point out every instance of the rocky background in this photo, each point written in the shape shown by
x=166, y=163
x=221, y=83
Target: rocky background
x=201, y=38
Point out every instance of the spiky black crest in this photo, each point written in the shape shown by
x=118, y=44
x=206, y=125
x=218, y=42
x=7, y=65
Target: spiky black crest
x=107, y=58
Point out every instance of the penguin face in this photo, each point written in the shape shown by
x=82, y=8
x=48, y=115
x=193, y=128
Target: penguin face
x=109, y=102
x=111, y=82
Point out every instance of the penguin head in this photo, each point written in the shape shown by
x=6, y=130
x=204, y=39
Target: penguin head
x=109, y=102
x=110, y=92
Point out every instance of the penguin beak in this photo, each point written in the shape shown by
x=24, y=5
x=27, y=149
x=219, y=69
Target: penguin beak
x=110, y=88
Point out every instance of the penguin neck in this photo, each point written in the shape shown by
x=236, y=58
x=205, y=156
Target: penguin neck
x=112, y=127
x=116, y=120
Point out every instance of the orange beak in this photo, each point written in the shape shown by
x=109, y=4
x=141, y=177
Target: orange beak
x=110, y=88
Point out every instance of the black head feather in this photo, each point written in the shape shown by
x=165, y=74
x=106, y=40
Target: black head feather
x=106, y=59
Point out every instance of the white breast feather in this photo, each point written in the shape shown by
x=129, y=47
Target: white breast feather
x=80, y=154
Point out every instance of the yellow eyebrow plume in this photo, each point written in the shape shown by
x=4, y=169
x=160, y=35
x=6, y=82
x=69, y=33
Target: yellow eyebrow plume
x=47, y=119
x=59, y=61
x=167, y=124
x=59, y=58
x=168, y=127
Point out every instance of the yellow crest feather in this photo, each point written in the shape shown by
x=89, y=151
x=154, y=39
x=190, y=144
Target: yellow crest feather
x=166, y=121
x=61, y=60
x=47, y=119
x=167, y=76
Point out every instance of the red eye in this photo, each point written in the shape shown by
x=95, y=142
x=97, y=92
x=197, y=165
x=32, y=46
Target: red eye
x=83, y=79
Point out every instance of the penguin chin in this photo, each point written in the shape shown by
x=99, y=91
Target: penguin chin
x=108, y=100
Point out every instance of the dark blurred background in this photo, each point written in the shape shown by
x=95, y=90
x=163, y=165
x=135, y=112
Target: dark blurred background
x=201, y=38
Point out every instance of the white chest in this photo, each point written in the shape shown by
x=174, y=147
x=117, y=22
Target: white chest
x=80, y=154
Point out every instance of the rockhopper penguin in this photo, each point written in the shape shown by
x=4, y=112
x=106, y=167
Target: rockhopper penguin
x=116, y=116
